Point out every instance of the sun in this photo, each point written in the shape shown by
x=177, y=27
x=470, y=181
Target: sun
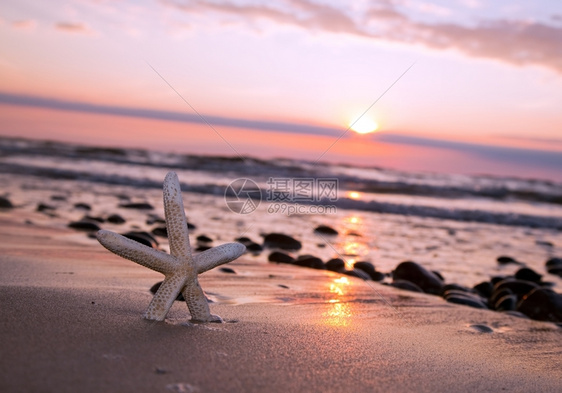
x=364, y=125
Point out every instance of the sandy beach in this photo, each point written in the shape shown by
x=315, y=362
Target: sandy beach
x=72, y=322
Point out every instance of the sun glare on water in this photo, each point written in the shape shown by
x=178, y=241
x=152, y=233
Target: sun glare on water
x=364, y=125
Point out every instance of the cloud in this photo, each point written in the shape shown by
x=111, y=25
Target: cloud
x=70, y=27
x=530, y=157
x=264, y=125
x=518, y=42
x=27, y=24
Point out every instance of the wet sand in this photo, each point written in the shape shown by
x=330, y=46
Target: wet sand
x=71, y=321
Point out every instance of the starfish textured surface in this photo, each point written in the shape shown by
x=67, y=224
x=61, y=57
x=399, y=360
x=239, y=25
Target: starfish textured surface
x=180, y=267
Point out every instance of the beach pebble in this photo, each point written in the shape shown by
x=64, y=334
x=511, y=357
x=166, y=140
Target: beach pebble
x=191, y=226
x=309, y=261
x=554, y=266
x=516, y=314
x=466, y=301
x=335, y=265
x=279, y=240
x=137, y=205
x=506, y=303
x=254, y=248
x=58, y=198
x=160, y=231
x=407, y=285
x=84, y=226
x=438, y=274
x=202, y=248
x=115, y=219
x=518, y=287
x=485, y=289
x=456, y=287
x=497, y=295
x=280, y=257
x=227, y=270
x=528, y=275
x=82, y=206
x=505, y=260
x=155, y=287
x=101, y=220
x=481, y=328
x=325, y=230
x=154, y=219
x=542, y=304
x=5, y=203
x=204, y=239
x=142, y=237
x=369, y=268
x=417, y=274
x=42, y=207
x=357, y=273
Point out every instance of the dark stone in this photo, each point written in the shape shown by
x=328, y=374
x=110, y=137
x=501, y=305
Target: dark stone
x=542, y=304
x=227, y=270
x=279, y=240
x=438, y=274
x=82, y=206
x=202, y=248
x=417, y=274
x=494, y=280
x=101, y=220
x=544, y=243
x=485, y=289
x=115, y=219
x=84, y=226
x=160, y=231
x=137, y=205
x=528, y=275
x=309, y=261
x=43, y=207
x=321, y=245
x=353, y=234
x=497, y=295
x=191, y=226
x=283, y=286
x=335, y=264
x=204, y=239
x=466, y=301
x=357, y=273
x=554, y=266
x=369, y=268
x=142, y=237
x=155, y=287
x=456, y=287
x=407, y=285
x=325, y=230
x=280, y=257
x=518, y=287
x=458, y=292
x=506, y=303
x=5, y=203
x=505, y=260
x=254, y=247
x=244, y=240
x=154, y=219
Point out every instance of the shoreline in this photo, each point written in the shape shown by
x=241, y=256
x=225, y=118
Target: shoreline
x=72, y=321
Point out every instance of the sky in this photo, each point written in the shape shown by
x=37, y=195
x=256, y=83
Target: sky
x=459, y=86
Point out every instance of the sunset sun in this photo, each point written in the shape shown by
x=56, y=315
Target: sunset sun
x=364, y=125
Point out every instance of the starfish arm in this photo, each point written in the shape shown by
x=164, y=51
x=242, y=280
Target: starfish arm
x=219, y=255
x=197, y=303
x=176, y=223
x=164, y=297
x=136, y=252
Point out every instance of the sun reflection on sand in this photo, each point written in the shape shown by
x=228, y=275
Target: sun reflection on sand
x=339, y=313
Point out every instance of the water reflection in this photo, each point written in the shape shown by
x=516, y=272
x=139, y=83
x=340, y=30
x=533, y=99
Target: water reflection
x=339, y=313
x=354, y=245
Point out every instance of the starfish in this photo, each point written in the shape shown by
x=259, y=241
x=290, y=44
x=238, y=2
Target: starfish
x=180, y=267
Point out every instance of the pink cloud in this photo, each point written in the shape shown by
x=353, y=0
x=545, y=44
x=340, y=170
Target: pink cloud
x=512, y=41
x=71, y=27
